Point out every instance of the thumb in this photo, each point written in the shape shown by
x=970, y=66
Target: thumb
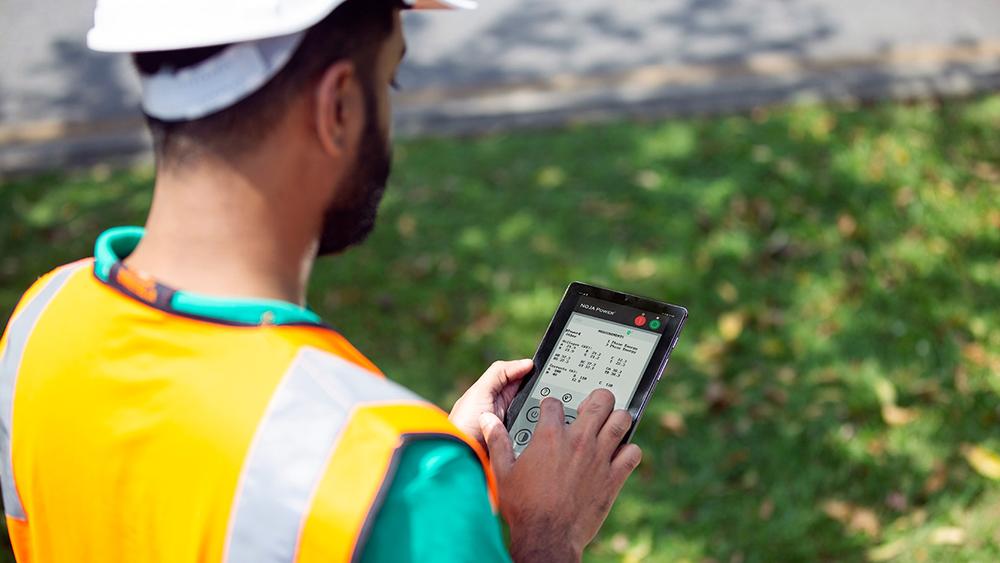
x=501, y=373
x=498, y=443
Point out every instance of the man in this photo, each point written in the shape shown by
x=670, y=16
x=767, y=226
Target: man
x=172, y=399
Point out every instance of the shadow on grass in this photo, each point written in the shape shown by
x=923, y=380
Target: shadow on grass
x=837, y=265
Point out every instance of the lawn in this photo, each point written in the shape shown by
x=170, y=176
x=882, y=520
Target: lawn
x=836, y=392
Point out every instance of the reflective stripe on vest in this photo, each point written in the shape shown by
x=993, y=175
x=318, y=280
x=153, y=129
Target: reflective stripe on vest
x=17, y=338
x=292, y=465
x=290, y=449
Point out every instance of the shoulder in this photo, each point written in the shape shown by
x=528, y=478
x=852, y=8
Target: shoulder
x=383, y=407
x=344, y=380
x=437, y=507
x=48, y=284
x=372, y=425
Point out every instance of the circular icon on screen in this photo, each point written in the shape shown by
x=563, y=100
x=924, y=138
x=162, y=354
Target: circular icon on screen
x=532, y=415
x=522, y=437
x=640, y=320
x=570, y=418
x=545, y=392
x=567, y=398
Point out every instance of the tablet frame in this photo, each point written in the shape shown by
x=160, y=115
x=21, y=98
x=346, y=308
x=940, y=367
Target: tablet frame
x=654, y=368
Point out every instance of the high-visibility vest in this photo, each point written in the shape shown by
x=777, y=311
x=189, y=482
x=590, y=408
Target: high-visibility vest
x=131, y=433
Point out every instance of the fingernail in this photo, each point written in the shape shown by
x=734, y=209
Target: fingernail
x=484, y=418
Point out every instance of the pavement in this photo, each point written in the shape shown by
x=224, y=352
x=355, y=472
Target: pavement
x=530, y=63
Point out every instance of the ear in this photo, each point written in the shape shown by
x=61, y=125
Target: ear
x=339, y=108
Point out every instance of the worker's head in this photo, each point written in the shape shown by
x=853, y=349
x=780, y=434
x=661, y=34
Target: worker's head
x=320, y=123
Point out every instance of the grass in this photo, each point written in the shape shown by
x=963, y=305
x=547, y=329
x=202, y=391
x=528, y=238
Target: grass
x=836, y=394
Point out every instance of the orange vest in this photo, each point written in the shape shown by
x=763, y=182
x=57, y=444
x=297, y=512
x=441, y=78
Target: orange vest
x=130, y=433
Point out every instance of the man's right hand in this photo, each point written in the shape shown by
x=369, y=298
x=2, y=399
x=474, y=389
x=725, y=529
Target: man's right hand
x=556, y=495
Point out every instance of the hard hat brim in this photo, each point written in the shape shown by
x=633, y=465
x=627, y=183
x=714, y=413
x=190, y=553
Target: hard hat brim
x=118, y=28
x=443, y=5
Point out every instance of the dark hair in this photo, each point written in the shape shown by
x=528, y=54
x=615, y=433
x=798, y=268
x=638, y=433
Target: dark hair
x=354, y=30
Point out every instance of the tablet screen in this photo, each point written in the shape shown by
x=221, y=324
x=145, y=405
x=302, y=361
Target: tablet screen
x=603, y=344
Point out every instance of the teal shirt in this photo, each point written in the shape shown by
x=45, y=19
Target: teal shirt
x=437, y=507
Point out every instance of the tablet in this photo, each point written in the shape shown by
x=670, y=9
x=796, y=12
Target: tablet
x=597, y=338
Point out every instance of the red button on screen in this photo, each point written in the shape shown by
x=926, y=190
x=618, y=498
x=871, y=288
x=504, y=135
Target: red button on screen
x=640, y=320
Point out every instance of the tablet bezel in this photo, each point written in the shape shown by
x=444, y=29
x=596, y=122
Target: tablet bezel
x=654, y=369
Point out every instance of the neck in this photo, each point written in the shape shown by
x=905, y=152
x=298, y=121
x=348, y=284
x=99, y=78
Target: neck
x=228, y=231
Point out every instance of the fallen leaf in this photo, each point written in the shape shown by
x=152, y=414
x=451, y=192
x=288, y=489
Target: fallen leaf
x=937, y=479
x=708, y=350
x=864, y=520
x=917, y=518
x=898, y=416
x=483, y=325
x=904, y=197
x=986, y=462
x=837, y=509
x=605, y=209
x=961, y=380
x=897, y=501
x=406, y=225
x=736, y=458
x=885, y=391
x=876, y=447
x=887, y=551
x=640, y=269
x=776, y=395
x=718, y=396
x=673, y=421
x=761, y=153
x=727, y=292
x=892, y=414
x=846, y=225
x=766, y=509
x=744, y=425
x=975, y=353
x=731, y=325
x=639, y=550
x=948, y=535
x=619, y=543
x=648, y=180
x=854, y=517
x=786, y=375
x=987, y=172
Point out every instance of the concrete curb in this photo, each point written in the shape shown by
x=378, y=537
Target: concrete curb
x=646, y=92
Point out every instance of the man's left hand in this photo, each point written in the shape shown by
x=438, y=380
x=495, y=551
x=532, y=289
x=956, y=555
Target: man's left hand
x=492, y=393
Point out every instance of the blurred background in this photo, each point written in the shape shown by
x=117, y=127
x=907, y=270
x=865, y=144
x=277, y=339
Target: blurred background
x=818, y=181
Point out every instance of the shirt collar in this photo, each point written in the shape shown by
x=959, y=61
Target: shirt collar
x=115, y=244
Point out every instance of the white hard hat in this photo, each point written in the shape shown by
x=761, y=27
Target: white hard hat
x=132, y=26
x=262, y=35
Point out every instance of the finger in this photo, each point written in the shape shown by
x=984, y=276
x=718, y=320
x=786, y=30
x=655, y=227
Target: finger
x=624, y=463
x=614, y=430
x=552, y=415
x=497, y=443
x=593, y=411
x=500, y=373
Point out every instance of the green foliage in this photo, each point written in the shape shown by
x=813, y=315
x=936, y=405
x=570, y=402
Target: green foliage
x=835, y=393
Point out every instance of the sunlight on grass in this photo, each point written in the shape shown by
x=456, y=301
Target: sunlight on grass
x=835, y=393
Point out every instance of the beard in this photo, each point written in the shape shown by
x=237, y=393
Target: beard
x=350, y=221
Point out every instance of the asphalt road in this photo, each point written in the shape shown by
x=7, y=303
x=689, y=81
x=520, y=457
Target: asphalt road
x=525, y=62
